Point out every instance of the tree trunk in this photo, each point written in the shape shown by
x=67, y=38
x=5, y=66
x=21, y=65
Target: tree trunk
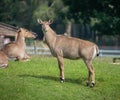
x=68, y=28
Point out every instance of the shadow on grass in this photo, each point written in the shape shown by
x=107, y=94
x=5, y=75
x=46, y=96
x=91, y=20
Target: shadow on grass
x=69, y=80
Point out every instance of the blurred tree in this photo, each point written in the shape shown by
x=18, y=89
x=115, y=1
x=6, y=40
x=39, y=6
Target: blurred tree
x=103, y=16
x=15, y=12
x=50, y=9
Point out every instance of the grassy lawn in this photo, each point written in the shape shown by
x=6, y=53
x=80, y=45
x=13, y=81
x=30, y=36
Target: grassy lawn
x=39, y=80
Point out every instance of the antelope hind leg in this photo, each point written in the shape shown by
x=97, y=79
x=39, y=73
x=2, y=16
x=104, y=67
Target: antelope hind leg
x=61, y=68
x=91, y=75
x=3, y=66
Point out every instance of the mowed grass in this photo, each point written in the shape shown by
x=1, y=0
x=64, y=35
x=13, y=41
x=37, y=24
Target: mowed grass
x=39, y=80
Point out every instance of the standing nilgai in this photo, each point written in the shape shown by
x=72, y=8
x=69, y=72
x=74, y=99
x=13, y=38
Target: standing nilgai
x=71, y=48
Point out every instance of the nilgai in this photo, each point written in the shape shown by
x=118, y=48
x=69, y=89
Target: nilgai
x=72, y=48
x=16, y=49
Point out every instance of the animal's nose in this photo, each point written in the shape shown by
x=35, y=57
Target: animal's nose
x=36, y=36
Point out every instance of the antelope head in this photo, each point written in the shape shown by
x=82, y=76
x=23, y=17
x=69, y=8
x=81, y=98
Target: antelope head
x=26, y=33
x=45, y=24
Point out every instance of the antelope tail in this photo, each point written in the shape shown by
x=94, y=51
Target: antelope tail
x=98, y=52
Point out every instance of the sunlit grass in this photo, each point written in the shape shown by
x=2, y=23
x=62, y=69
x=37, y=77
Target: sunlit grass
x=39, y=80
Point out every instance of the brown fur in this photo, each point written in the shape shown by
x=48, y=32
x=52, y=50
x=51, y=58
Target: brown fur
x=16, y=49
x=68, y=47
x=3, y=60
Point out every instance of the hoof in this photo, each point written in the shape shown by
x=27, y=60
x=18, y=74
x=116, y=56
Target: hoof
x=62, y=80
x=25, y=60
x=3, y=66
x=92, y=85
x=87, y=83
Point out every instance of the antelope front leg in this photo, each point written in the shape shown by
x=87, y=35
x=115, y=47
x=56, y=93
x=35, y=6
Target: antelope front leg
x=26, y=57
x=61, y=67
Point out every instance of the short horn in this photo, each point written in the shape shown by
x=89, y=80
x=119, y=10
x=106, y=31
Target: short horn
x=39, y=21
x=50, y=21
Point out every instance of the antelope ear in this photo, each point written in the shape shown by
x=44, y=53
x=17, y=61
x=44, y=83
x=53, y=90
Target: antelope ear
x=50, y=21
x=19, y=30
x=39, y=21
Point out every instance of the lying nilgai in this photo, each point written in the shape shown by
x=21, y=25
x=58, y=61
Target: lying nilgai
x=71, y=48
x=16, y=49
x=3, y=60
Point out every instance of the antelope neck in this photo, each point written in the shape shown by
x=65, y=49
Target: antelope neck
x=50, y=37
x=20, y=40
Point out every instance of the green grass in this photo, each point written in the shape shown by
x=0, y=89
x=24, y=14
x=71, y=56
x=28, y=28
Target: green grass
x=39, y=80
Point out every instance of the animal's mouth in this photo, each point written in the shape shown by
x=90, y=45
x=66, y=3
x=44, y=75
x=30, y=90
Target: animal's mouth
x=35, y=37
x=44, y=30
